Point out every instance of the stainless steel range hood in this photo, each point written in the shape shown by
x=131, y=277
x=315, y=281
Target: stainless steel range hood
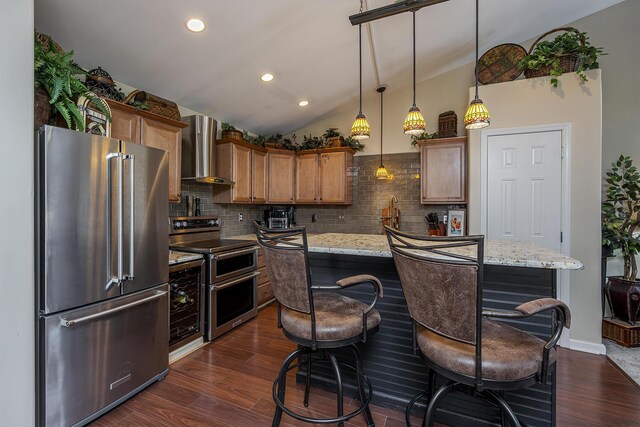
x=199, y=151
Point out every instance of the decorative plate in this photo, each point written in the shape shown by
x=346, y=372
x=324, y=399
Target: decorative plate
x=500, y=64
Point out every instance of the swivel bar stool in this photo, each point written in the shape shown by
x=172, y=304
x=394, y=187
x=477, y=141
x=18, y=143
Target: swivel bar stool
x=442, y=280
x=318, y=320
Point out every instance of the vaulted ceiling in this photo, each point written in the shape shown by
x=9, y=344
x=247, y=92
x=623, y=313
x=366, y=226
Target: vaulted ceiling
x=308, y=45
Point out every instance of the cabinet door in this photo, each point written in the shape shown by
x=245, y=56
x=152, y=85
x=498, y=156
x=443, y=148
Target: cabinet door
x=333, y=177
x=125, y=126
x=443, y=172
x=306, y=178
x=241, y=174
x=259, y=177
x=169, y=138
x=281, y=178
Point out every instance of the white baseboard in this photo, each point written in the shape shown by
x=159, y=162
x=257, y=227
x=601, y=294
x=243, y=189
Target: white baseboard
x=587, y=347
x=186, y=349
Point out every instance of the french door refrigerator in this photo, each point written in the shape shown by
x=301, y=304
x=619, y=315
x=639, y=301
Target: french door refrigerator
x=101, y=273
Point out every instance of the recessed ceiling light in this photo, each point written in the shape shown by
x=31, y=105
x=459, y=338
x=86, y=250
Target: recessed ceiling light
x=266, y=77
x=195, y=25
x=303, y=103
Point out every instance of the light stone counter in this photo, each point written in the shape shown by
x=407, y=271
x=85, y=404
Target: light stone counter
x=177, y=257
x=497, y=252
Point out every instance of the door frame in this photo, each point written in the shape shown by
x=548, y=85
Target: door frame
x=563, y=276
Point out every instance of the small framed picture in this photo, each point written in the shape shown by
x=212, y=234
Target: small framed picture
x=457, y=222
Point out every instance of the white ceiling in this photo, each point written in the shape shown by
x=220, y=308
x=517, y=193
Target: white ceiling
x=309, y=45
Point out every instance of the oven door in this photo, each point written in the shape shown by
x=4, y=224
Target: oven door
x=226, y=265
x=232, y=303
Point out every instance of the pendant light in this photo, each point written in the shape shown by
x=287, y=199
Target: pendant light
x=360, y=128
x=477, y=116
x=381, y=172
x=414, y=123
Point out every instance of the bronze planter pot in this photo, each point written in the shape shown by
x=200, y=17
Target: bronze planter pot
x=41, y=106
x=624, y=298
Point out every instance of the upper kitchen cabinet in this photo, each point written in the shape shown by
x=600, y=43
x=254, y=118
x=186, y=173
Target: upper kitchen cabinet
x=322, y=176
x=152, y=130
x=443, y=174
x=306, y=178
x=281, y=176
x=246, y=165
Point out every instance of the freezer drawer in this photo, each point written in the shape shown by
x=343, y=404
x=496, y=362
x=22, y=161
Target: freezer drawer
x=94, y=357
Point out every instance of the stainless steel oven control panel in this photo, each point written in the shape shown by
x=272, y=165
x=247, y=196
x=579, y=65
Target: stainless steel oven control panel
x=191, y=224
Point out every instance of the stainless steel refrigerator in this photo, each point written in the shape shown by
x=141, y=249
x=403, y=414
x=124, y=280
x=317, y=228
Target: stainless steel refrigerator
x=101, y=273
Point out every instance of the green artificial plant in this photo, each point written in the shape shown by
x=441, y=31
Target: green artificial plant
x=57, y=73
x=620, y=213
x=423, y=137
x=549, y=53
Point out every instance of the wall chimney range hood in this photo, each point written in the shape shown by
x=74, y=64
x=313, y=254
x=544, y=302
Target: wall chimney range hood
x=199, y=151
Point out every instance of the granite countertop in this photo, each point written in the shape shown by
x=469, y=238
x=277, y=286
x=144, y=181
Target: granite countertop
x=497, y=252
x=177, y=257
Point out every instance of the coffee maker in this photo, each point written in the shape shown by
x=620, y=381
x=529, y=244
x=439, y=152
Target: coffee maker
x=280, y=216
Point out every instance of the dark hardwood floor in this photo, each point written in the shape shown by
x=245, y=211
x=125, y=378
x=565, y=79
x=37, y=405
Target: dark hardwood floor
x=228, y=383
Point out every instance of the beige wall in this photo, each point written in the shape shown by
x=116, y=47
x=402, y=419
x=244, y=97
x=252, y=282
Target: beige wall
x=533, y=102
x=434, y=96
x=17, y=352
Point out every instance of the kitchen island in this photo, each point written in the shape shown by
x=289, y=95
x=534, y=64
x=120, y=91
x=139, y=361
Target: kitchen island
x=515, y=272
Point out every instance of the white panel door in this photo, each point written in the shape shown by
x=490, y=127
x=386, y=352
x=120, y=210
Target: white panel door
x=524, y=187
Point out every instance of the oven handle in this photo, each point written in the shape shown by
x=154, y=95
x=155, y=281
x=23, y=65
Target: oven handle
x=235, y=253
x=236, y=281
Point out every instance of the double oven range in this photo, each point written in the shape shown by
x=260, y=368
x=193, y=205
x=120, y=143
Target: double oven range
x=231, y=271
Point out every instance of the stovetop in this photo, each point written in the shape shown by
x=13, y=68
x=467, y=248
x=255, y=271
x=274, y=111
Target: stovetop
x=212, y=246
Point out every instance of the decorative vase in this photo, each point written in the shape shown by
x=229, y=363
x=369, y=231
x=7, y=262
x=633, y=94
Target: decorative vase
x=41, y=107
x=335, y=141
x=624, y=298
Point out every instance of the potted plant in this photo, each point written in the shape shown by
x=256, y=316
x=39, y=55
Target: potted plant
x=353, y=143
x=56, y=80
x=423, y=137
x=229, y=131
x=333, y=138
x=311, y=143
x=255, y=140
x=274, y=141
x=568, y=52
x=619, y=224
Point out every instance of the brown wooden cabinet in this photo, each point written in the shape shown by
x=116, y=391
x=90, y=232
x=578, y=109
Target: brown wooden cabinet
x=246, y=166
x=443, y=174
x=280, y=176
x=265, y=292
x=322, y=176
x=307, y=178
x=152, y=130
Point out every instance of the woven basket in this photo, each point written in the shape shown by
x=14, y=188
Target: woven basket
x=569, y=62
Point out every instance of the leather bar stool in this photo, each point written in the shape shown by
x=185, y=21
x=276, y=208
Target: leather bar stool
x=442, y=278
x=316, y=319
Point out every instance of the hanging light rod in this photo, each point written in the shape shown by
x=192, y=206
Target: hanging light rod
x=390, y=10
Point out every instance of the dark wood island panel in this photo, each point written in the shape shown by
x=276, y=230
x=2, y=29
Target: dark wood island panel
x=397, y=374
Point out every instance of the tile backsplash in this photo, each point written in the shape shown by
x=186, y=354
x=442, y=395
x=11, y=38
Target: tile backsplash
x=370, y=196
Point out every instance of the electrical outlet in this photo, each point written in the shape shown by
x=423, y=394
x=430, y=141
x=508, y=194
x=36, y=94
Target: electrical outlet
x=240, y=217
x=341, y=218
x=314, y=217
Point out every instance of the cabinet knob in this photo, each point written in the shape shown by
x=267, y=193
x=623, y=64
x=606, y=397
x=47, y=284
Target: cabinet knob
x=424, y=197
x=315, y=198
x=320, y=198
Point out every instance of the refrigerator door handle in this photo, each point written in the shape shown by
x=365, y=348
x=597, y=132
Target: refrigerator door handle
x=132, y=215
x=118, y=278
x=68, y=323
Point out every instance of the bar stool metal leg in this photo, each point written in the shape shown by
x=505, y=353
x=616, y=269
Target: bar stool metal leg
x=336, y=370
x=433, y=403
x=307, y=384
x=361, y=390
x=281, y=383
